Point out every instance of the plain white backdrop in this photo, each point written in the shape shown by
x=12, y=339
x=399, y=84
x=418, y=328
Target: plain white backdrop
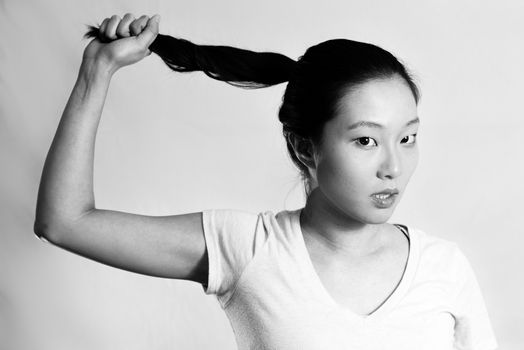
x=171, y=143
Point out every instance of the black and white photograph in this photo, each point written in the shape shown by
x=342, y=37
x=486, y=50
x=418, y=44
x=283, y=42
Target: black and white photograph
x=261, y=175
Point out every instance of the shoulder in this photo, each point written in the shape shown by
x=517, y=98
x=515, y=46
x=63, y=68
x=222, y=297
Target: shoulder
x=435, y=251
x=280, y=218
x=232, y=214
x=430, y=240
x=270, y=222
x=282, y=225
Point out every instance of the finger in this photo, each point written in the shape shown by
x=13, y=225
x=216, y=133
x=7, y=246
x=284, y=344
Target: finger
x=150, y=32
x=122, y=30
x=110, y=31
x=102, y=28
x=138, y=25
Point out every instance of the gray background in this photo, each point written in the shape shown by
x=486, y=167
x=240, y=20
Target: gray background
x=172, y=143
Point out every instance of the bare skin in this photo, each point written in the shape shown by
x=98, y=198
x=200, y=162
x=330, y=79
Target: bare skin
x=357, y=254
x=170, y=246
x=360, y=283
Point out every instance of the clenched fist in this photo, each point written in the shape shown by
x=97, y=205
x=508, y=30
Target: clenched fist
x=122, y=42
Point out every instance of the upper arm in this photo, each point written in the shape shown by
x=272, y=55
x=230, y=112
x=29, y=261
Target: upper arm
x=163, y=246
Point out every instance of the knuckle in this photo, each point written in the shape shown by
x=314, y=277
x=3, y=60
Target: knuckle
x=134, y=26
x=114, y=20
x=103, y=25
x=121, y=31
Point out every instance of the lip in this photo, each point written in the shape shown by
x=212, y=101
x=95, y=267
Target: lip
x=384, y=202
x=387, y=191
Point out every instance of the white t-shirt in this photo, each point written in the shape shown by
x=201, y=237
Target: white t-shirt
x=261, y=273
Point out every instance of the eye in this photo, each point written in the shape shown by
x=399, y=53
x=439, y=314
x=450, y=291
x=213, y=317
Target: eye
x=414, y=139
x=364, y=141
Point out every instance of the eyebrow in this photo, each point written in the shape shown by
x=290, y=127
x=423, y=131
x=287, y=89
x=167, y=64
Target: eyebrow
x=376, y=125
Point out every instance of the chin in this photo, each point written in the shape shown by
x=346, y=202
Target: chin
x=377, y=216
x=378, y=221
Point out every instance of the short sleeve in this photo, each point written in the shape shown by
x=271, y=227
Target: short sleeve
x=473, y=330
x=232, y=238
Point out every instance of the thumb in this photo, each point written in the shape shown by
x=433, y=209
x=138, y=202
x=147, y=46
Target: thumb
x=148, y=35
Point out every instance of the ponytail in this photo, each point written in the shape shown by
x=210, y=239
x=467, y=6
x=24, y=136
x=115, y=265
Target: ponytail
x=317, y=81
x=237, y=67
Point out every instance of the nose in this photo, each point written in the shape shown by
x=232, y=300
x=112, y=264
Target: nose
x=390, y=167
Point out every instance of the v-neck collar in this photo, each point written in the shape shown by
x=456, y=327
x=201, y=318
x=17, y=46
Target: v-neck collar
x=394, y=297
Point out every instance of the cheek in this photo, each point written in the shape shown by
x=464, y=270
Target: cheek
x=342, y=172
x=411, y=162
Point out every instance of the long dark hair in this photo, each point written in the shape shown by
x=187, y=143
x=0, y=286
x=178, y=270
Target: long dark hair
x=316, y=81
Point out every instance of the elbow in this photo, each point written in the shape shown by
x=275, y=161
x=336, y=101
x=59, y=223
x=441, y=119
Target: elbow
x=42, y=227
x=39, y=229
x=48, y=225
x=43, y=232
x=51, y=229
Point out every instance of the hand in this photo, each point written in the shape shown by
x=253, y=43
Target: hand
x=122, y=42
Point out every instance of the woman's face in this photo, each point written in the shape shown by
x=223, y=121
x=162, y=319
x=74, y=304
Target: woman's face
x=355, y=161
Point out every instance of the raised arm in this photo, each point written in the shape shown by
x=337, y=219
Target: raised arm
x=164, y=246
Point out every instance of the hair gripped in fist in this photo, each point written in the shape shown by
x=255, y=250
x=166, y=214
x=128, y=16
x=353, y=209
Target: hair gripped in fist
x=123, y=41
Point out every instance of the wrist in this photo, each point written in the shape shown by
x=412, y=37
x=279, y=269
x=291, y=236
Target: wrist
x=97, y=68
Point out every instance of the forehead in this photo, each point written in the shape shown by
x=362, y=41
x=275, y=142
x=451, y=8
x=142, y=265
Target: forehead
x=388, y=102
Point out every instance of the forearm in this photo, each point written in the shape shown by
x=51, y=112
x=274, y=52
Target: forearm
x=66, y=185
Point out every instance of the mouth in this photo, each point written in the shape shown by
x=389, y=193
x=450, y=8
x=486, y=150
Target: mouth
x=387, y=191
x=384, y=199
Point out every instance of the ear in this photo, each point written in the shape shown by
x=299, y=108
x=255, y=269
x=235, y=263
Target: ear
x=304, y=150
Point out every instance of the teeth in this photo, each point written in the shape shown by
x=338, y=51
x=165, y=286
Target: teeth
x=382, y=196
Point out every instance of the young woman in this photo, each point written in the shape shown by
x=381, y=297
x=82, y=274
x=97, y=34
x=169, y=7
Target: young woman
x=332, y=275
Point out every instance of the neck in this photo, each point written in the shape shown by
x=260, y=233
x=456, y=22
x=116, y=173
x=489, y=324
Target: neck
x=331, y=229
